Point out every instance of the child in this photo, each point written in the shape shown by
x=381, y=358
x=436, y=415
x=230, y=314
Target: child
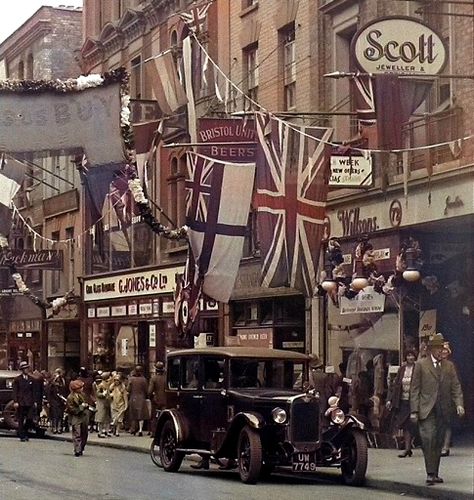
x=77, y=409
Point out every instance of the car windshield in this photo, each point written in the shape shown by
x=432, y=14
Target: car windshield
x=268, y=373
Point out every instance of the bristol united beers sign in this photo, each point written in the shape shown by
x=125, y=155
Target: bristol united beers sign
x=399, y=45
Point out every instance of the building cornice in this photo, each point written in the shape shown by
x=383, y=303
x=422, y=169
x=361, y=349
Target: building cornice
x=22, y=41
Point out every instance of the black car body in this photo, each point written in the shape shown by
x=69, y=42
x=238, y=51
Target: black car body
x=7, y=411
x=249, y=406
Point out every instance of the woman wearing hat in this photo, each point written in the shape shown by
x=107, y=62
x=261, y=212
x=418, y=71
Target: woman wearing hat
x=398, y=400
x=119, y=402
x=56, y=390
x=77, y=409
x=103, y=415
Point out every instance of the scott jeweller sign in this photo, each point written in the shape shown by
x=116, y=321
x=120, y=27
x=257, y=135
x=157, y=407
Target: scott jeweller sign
x=399, y=45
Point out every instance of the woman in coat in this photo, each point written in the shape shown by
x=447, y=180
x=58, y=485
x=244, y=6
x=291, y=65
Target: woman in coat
x=398, y=400
x=103, y=416
x=137, y=394
x=119, y=402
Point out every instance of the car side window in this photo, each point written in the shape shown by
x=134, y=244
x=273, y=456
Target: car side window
x=190, y=373
x=173, y=373
x=213, y=373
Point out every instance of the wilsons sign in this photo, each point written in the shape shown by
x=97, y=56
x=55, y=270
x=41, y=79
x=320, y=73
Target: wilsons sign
x=399, y=45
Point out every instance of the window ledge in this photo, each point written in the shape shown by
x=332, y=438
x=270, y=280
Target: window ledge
x=248, y=9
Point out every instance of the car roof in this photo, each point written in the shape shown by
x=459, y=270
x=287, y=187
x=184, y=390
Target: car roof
x=241, y=352
x=9, y=373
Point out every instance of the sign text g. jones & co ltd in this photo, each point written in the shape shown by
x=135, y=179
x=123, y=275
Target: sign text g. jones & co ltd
x=400, y=45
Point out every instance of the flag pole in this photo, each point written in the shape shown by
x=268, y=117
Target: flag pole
x=207, y=144
x=344, y=74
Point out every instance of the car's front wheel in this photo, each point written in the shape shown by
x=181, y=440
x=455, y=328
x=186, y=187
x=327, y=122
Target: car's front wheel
x=249, y=453
x=354, y=466
x=171, y=459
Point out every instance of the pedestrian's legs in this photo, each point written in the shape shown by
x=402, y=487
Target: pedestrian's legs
x=428, y=443
x=77, y=439
x=140, y=427
x=23, y=413
x=407, y=439
x=84, y=435
x=441, y=427
x=447, y=442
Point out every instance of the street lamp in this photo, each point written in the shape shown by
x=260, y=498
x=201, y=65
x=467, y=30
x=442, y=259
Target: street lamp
x=329, y=284
x=359, y=280
x=411, y=273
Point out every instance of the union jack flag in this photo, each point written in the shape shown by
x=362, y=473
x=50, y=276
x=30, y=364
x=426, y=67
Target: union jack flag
x=365, y=100
x=292, y=185
x=195, y=18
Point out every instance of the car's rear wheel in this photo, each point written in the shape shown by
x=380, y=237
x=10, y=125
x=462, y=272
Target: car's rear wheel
x=155, y=453
x=249, y=453
x=10, y=416
x=170, y=458
x=354, y=466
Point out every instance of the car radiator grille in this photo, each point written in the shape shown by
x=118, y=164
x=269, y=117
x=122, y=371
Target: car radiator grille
x=305, y=421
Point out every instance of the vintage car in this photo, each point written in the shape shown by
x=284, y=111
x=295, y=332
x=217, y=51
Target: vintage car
x=248, y=406
x=7, y=411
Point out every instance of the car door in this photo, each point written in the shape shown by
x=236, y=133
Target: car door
x=214, y=401
x=190, y=395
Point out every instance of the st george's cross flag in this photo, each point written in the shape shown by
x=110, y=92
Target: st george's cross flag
x=218, y=195
x=12, y=173
x=292, y=186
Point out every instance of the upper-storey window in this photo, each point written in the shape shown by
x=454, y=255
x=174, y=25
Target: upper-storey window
x=29, y=67
x=21, y=70
x=287, y=35
x=251, y=71
x=136, y=79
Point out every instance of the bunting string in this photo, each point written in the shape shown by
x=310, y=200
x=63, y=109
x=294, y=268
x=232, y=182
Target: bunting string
x=329, y=143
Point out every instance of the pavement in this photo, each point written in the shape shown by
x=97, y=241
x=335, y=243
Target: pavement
x=386, y=472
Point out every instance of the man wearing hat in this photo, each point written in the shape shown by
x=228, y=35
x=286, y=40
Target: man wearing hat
x=24, y=398
x=435, y=396
x=156, y=392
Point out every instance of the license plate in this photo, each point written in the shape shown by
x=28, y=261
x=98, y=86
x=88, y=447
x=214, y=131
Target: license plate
x=304, y=462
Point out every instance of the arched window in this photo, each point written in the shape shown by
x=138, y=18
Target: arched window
x=29, y=67
x=21, y=70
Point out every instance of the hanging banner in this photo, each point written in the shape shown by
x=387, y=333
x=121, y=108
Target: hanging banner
x=367, y=301
x=69, y=121
x=351, y=171
x=427, y=324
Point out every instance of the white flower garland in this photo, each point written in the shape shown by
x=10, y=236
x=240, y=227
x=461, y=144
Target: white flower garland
x=136, y=189
x=89, y=81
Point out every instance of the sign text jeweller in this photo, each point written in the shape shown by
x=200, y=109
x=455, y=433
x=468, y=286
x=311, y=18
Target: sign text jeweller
x=400, y=45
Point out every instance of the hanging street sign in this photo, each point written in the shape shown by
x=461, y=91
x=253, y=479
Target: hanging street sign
x=399, y=45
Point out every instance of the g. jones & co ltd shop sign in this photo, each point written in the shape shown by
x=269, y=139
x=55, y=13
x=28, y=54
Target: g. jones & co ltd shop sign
x=156, y=281
x=400, y=45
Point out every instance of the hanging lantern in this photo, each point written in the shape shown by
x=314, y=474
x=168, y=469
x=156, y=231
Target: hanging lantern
x=411, y=273
x=359, y=280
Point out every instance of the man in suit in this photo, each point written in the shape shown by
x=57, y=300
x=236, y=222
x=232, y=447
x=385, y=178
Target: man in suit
x=156, y=392
x=24, y=400
x=435, y=396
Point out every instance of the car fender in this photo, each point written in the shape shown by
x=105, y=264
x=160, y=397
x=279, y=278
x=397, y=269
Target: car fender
x=179, y=421
x=229, y=445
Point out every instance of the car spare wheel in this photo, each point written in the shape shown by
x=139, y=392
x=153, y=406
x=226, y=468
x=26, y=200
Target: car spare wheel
x=355, y=456
x=9, y=416
x=170, y=458
x=249, y=453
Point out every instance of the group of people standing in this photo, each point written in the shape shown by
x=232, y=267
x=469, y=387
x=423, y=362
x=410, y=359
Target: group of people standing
x=104, y=401
x=424, y=397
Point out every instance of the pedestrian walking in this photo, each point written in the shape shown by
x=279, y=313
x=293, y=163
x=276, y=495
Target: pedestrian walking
x=156, y=393
x=445, y=451
x=24, y=400
x=398, y=401
x=119, y=403
x=435, y=395
x=137, y=407
x=77, y=409
x=56, y=392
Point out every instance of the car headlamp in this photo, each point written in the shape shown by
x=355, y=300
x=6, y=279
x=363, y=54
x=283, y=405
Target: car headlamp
x=279, y=415
x=337, y=416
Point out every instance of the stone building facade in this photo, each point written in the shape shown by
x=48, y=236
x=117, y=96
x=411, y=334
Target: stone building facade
x=45, y=47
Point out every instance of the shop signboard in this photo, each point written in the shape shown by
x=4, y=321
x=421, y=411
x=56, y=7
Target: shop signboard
x=32, y=259
x=367, y=301
x=142, y=283
x=239, y=133
x=399, y=45
x=351, y=171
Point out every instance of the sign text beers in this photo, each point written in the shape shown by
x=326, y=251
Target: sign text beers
x=399, y=45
